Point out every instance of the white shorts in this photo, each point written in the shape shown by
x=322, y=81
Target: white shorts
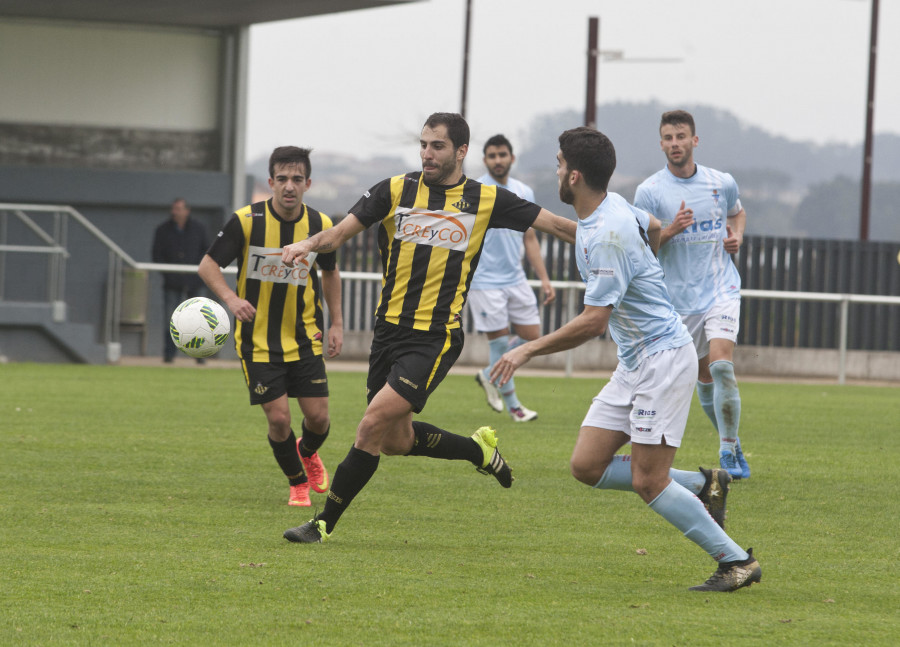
x=650, y=403
x=495, y=309
x=722, y=321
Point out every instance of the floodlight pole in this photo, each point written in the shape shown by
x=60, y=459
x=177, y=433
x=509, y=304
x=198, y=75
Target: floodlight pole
x=465, y=70
x=593, y=67
x=870, y=116
x=590, y=108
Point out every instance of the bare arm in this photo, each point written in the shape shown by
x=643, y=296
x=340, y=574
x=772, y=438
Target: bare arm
x=735, y=231
x=592, y=322
x=325, y=241
x=331, y=289
x=684, y=218
x=212, y=275
x=550, y=223
x=533, y=254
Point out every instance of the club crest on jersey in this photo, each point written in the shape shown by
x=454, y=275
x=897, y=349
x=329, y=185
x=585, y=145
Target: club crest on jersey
x=446, y=229
x=715, y=197
x=462, y=205
x=264, y=264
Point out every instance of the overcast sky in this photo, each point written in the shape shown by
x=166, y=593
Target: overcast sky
x=363, y=82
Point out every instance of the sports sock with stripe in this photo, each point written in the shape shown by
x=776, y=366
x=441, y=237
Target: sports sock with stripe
x=437, y=443
x=350, y=478
x=288, y=459
x=310, y=442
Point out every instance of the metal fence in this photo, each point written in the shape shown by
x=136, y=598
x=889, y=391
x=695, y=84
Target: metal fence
x=824, y=271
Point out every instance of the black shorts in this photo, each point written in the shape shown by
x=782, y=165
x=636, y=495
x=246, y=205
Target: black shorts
x=269, y=381
x=412, y=361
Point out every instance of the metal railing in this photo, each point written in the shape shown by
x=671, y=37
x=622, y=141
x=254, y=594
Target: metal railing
x=56, y=248
x=572, y=289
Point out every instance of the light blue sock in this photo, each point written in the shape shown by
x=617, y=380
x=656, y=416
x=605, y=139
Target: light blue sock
x=705, y=394
x=618, y=476
x=684, y=511
x=727, y=401
x=497, y=347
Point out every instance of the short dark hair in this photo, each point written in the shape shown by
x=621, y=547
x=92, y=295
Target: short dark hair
x=457, y=128
x=290, y=155
x=497, y=140
x=677, y=118
x=590, y=152
x=177, y=200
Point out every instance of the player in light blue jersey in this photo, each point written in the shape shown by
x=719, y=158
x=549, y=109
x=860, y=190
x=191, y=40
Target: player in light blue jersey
x=649, y=395
x=500, y=294
x=703, y=224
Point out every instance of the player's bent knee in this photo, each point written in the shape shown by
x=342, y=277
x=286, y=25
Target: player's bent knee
x=585, y=471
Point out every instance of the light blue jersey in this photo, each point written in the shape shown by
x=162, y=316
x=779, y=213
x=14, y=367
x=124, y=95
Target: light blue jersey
x=500, y=264
x=699, y=272
x=616, y=262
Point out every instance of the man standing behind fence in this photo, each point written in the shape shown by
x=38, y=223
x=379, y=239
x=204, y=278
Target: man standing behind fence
x=180, y=240
x=703, y=223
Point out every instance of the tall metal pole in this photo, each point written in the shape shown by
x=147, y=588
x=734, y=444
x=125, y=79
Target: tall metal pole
x=870, y=115
x=590, y=108
x=465, y=72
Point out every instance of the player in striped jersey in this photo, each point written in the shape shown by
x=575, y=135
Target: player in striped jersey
x=278, y=332
x=703, y=224
x=432, y=225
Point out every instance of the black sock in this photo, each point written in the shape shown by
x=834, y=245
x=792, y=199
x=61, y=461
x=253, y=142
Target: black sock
x=288, y=459
x=437, y=443
x=350, y=478
x=310, y=442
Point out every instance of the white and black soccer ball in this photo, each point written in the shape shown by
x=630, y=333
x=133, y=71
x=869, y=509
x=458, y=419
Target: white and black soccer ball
x=199, y=327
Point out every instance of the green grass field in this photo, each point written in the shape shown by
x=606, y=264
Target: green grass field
x=143, y=506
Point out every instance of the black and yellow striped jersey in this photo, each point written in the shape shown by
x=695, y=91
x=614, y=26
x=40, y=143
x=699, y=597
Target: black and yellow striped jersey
x=289, y=322
x=430, y=240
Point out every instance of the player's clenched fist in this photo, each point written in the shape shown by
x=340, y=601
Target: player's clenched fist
x=295, y=252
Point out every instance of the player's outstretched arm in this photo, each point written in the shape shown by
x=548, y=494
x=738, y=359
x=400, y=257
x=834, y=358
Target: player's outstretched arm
x=212, y=275
x=550, y=223
x=592, y=322
x=325, y=241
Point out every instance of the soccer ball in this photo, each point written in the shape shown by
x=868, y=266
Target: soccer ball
x=199, y=327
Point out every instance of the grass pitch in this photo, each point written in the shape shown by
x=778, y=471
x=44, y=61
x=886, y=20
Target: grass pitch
x=143, y=506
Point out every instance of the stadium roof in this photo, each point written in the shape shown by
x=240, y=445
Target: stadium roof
x=216, y=14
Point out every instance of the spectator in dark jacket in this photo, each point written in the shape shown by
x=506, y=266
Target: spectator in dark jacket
x=182, y=241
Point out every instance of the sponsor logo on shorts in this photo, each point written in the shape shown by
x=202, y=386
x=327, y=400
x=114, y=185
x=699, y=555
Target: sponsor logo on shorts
x=645, y=413
x=321, y=381
x=408, y=382
x=643, y=430
x=445, y=229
